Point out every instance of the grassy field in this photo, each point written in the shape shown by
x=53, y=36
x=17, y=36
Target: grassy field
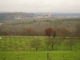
x=18, y=48
x=22, y=43
x=40, y=55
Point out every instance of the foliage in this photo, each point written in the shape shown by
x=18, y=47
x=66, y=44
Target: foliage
x=48, y=31
x=38, y=26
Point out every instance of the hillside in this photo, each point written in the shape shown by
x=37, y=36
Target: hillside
x=10, y=16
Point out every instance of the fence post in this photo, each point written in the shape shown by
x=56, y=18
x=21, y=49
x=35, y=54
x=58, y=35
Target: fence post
x=48, y=57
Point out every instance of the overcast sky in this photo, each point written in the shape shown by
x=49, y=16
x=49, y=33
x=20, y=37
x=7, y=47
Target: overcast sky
x=55, y=6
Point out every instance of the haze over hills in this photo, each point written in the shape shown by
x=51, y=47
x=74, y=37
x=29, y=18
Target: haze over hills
x=23, y=15
x=13, y=15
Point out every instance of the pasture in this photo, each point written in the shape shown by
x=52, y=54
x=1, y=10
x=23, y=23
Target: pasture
x=18, y=48
x=40, y=55
x=22, y=43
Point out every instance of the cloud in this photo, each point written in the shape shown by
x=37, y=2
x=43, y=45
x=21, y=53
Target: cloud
x=63, y=6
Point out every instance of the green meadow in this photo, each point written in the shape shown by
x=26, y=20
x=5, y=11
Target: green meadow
x=40, y=55
x=18, y=48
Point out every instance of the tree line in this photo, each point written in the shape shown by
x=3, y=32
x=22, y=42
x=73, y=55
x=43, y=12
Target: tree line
x=29, y=31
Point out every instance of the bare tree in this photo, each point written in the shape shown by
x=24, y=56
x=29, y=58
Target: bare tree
x=70, y=42
x=64, y=32
x=50, y=42
x=77, y=32
x=36, y=43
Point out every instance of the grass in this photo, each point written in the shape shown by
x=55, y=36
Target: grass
x=22, y=43
x=40, y=55
x=17, y=48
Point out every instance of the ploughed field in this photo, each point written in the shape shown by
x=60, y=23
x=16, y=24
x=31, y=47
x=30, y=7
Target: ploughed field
x=20, y=48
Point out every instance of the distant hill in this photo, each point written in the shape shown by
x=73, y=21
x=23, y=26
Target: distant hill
x=66, y=14
x=8, y=16
x=60, y=14
x=22, y=15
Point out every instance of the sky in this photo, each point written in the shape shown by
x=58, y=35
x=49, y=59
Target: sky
x=47, y=6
